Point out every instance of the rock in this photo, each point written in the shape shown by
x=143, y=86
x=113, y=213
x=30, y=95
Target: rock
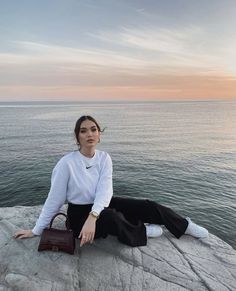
x=166, y=263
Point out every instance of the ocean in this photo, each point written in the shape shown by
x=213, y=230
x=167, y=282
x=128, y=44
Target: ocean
x=180, y=154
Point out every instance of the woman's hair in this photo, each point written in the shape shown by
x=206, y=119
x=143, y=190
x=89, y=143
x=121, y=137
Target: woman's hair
x=78, y=125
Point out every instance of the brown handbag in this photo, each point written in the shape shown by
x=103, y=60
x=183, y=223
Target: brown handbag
x=54, y=239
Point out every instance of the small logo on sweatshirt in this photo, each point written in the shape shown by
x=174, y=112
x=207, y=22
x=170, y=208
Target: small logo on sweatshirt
x=88, y=167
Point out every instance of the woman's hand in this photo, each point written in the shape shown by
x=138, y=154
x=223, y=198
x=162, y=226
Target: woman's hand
x=23, y=234
x=88, y=230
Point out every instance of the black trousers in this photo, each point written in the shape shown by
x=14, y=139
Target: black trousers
x=125, y=218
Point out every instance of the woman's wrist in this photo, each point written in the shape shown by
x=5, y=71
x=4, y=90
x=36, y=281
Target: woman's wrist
x=34, y=234
x=92, y=217
x=94, y=214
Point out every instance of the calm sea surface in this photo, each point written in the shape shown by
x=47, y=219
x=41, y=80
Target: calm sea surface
x=181, y=154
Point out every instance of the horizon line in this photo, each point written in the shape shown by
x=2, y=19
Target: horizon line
x=119, y=101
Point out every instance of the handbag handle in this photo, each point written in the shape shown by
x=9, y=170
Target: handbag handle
x=60, y=213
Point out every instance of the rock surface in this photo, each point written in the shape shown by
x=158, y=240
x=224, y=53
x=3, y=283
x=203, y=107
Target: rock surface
x=166, y=263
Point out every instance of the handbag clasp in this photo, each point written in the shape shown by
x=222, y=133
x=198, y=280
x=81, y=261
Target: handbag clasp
x=55, y=249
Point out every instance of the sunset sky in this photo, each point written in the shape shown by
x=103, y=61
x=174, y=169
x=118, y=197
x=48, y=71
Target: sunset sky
x=117, y=50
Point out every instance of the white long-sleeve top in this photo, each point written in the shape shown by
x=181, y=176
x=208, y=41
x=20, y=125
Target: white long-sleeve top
x=78, y=180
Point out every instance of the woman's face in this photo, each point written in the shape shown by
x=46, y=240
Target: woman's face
x=89, y=135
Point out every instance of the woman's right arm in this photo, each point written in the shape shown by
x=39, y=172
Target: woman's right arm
x=56, y=198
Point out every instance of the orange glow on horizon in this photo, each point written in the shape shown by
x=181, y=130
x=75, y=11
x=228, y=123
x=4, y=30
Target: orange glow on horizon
x=166, y=88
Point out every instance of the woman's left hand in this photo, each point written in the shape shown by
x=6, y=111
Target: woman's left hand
x=88, y=231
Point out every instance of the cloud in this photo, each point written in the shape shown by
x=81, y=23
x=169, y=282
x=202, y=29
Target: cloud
x=155, y=59
x=132, y=51
x=36, y=56
x=46, y=64
x=101, y=57
x=168, y=47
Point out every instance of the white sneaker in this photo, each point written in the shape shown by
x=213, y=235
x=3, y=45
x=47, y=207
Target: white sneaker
x=153, y=230
x=195, y=230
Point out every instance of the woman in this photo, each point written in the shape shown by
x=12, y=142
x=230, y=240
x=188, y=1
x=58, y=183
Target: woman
x=84, y=179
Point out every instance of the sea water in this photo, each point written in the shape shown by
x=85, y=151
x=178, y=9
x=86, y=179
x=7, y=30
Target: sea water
x=180, y=154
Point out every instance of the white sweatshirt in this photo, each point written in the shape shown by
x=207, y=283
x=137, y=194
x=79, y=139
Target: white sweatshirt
x=79, y=180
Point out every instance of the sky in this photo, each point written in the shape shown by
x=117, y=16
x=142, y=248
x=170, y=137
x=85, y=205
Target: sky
x=72, y=50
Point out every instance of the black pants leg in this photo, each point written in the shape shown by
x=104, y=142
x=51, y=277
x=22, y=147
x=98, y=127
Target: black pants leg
x=150, y=212
x=125, y=218
x=130, y=232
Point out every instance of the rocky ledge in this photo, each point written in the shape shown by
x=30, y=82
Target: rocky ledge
x=166, y=263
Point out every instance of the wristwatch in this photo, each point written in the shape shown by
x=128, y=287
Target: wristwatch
x=94, y=214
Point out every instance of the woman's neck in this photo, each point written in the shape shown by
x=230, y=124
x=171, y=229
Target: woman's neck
x=89, y=153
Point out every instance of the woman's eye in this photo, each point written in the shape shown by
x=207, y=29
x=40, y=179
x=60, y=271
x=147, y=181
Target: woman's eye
x=94, y=129
x=82, y=131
